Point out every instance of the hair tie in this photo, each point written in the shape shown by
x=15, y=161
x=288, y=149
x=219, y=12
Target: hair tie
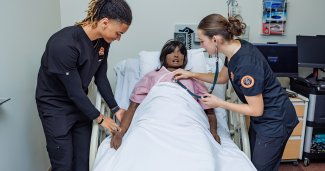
x=228, y=27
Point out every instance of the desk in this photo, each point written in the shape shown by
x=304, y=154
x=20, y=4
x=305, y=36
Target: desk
x=294, y=148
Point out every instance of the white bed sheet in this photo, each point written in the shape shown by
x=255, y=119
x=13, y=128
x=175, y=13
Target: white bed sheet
x=171, y=138
x=128, y=74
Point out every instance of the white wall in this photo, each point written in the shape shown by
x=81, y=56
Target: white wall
x=25, y=28
x=154, y=22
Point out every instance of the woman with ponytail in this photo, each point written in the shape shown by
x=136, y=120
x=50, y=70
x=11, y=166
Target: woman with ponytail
x=273, y=116
x=72, y=57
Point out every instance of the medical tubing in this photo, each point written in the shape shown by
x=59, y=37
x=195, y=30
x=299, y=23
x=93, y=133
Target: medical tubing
x=216, y=73
x=191, y=93
x=212, y=87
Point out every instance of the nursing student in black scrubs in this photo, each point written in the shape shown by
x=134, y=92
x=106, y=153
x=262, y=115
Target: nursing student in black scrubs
x=72, y=57
x=273, y=116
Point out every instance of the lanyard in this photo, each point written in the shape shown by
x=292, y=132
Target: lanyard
x=216, y=73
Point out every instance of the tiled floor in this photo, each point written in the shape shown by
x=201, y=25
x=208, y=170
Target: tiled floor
x=314, y=166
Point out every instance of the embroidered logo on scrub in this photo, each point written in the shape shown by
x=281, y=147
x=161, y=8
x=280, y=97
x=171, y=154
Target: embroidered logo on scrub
x=101, y=51
x=247, y=81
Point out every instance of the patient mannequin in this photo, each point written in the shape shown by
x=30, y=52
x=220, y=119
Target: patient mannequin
x=173, y=56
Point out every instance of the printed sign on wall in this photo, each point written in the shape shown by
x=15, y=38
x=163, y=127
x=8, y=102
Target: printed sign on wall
x=274, y=17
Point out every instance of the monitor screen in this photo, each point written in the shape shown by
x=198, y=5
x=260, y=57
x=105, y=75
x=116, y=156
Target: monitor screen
x=282, y=58
x=311, y=51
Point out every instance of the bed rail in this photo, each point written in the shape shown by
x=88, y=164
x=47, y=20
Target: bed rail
x=237, y=124
x=98, y=133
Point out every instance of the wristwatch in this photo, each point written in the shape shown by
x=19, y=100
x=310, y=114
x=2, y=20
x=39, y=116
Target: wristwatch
x=115, y=109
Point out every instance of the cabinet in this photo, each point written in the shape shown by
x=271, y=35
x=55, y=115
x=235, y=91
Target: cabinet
x=295, y=144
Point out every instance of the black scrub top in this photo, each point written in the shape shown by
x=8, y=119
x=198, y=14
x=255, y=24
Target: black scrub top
x=69, y=63
x=250, y=75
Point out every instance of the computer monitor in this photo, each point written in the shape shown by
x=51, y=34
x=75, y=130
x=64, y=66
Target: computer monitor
x=311, y=51
x=282, y=58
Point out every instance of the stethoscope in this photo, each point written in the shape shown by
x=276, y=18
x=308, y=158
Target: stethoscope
x=216, y=73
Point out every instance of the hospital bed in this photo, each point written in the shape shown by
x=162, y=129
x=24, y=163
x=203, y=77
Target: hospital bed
x=129, y=72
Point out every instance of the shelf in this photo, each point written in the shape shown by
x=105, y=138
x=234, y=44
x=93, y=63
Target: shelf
x=3, y=100
x=274, y=10
x=273, y=21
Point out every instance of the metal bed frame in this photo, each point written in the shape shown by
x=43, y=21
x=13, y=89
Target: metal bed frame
x=236, y=123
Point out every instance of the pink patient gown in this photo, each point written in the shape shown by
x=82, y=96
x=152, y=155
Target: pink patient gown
x=143, y=87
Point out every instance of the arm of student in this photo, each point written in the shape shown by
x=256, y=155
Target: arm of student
x=206, y=77
x=72, y=84
x=62, y=63
x=103, y=85
x=125, y=124
x=223, y=77
x=251, y=80
x=254, y=106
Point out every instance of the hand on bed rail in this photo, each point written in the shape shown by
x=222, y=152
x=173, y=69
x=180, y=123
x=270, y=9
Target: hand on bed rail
x=119, y=114
x=108, y=123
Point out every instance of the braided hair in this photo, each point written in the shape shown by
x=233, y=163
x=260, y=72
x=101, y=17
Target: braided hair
x=112, y=9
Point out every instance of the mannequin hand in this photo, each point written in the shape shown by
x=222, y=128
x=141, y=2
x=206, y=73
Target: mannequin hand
x=216, y=136
x=211, y=101
x=182, y=74
x=119, y=114
x=116, y=140
x=109, y=124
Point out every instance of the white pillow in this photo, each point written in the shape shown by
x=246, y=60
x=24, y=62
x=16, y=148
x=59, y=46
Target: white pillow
x=149, y=61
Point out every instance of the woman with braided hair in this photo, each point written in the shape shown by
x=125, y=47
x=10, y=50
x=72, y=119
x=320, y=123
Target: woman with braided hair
x=272, y=115
x=72, y=57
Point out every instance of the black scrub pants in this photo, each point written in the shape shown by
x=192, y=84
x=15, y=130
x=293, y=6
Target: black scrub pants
x=266, y=151
x=68, y=140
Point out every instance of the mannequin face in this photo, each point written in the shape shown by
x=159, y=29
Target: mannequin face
x=175, y=59
x=209, y=44
x=111, y=30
